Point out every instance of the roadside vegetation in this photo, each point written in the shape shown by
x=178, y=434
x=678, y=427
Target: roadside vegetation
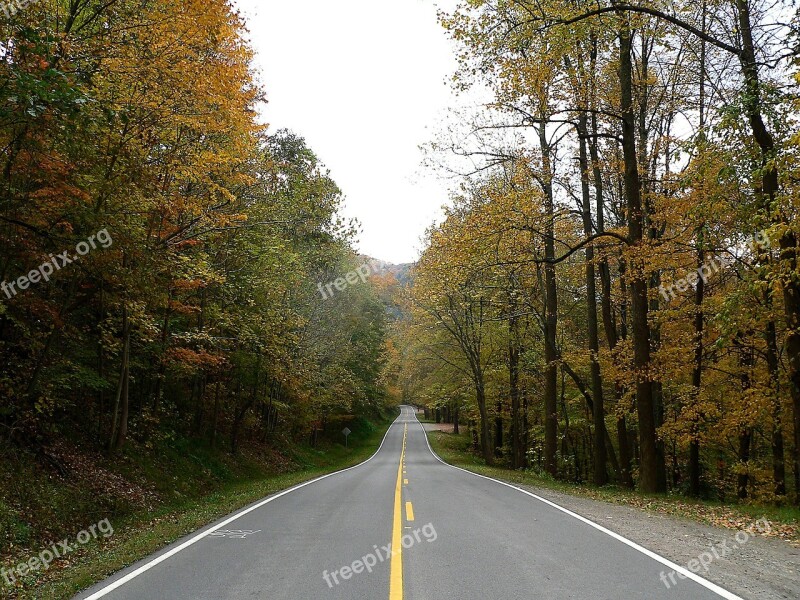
x=165, y=354
x=180, y=488
x=613, y=293
x=457, y=450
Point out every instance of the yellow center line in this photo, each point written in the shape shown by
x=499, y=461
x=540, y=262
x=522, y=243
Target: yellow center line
x=396, y=573
x=409, y=512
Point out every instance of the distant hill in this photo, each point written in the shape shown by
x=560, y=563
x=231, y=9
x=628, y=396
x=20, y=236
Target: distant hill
x=389, y=280
x=401, y=272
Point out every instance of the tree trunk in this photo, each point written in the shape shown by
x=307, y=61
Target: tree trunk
x=513, y=386
x=609, y=323
x=600, y=475
x=778, y=456
x=473, y=430
x=119, y=421
x=526, y=434
x=788, y=239
x=238, y=420
x=625, y=475
x=498, y=430
x=122, y=434
x=648, y=467
x=551, y=316
x=697, y=372
x=486, y=440
x=215, y=420
x=162, y=361
x=699, y=320
x=746, y=363
x=643, y=94
x=745, y=437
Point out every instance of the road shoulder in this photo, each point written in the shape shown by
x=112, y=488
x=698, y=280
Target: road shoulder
x=752, y=566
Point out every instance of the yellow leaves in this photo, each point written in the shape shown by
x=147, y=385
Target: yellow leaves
x=232, y=220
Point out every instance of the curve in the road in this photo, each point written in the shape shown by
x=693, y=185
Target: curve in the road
x=483, y=538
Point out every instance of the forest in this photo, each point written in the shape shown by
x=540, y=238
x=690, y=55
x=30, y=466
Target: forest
x=203, y=346
x=614, y=294
x=160, y=247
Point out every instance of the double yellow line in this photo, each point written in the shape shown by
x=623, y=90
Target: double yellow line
x=396, y=573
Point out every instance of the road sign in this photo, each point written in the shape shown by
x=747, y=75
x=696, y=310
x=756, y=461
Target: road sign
x=346, y=433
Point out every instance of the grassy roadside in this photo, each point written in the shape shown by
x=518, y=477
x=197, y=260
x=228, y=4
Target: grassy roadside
x=455, y=449
x=142, y=533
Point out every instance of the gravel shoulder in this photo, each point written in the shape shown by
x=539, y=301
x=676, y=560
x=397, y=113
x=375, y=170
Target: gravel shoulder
x=752, y=566
x=759, y=569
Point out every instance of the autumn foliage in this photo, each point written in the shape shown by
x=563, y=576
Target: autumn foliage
x=202, y=318
x=614, y=294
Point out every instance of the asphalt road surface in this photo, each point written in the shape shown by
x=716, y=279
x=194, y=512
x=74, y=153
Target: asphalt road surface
x=404, y=525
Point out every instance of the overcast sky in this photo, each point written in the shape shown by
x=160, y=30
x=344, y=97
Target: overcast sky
x=365, y=82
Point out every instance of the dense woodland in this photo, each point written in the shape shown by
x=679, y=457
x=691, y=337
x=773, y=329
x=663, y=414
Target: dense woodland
x=200, y=316
x=614, y=294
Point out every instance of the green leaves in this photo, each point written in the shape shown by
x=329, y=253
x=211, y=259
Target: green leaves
x=203, y=316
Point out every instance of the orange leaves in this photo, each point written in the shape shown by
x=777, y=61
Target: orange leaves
x=187, y=244
x=60, y=195
x=181, y=308
x=195, y=360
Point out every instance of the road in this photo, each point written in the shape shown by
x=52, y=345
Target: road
x=403, y=525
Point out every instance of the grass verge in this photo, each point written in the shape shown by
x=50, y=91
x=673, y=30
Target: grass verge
x=140, y=534
x=455, y=450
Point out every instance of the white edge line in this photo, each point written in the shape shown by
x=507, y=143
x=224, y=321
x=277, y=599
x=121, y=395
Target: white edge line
x=675, y=567
x=146, y=567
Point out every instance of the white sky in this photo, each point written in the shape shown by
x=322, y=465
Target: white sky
x=365, y=82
